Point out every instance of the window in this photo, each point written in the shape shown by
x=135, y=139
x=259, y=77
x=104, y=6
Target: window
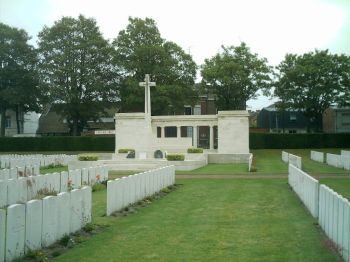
x=170, y=131
x=345, y=119
x=186, y=131
x=8, y=122
x=292, y=131
x=197, y=110
x=188, y=110
x=292, y=117
x=159, y=131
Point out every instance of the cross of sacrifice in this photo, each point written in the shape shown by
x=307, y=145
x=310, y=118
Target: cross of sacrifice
x=147, y=84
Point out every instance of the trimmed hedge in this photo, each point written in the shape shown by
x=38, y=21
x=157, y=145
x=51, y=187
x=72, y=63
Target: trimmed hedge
x=56, y=143
x=107, y=144
x=195, y=150
x=125, y=150
x=287, y=141
x=87, y=158
x=175, y=157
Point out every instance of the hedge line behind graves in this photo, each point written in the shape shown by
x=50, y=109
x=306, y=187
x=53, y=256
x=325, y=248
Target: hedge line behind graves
x=56, y=143
x=107, y=144
x=286, y=141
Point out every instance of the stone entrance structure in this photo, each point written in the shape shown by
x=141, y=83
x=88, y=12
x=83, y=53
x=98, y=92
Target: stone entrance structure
x=226, y=134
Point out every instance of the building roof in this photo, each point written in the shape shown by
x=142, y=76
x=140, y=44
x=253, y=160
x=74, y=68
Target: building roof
x=50, y=122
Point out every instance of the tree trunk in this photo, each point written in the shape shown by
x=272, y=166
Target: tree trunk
x=3, y=121
x=17, y=120
x=75, y=127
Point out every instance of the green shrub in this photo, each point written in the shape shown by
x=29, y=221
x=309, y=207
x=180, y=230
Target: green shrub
x=88, y=158
x=98, y=187
x=125, y=150
x=89, y=227
x=195, y=150
x=64, y=240
x=175, y=157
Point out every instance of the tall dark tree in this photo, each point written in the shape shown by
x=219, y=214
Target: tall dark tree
x=77, y=69
x=141, y=50
x=312, y=82
x=18, y=76
x=235, y=75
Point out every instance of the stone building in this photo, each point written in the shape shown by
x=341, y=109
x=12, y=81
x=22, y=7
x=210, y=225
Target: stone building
x=226, y=132
x=28, y=123
x=336, y=120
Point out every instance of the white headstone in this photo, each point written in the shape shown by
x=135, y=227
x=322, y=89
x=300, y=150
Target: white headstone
x=49, y=224
x=22, y=190
x=86, y=205
x=5, y=174
x=13, y=173
x=34, y=214
x=15, y=231
x=76, y=197
x=3, y=194
x=2, y=234
x=84, y=177
x=64, y=181
x=92, y=176
x=111, y=201
x=12, y=191
x=63, y=216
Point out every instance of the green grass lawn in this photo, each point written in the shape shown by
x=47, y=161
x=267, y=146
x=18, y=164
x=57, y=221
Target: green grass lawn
x=269, y=162
x=218, y=169
x=314, y=167
x=209, y=220
x=47, y=170
x=115, y=174
x=339, y=185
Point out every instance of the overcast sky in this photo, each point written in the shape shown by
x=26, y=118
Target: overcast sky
x=271, y=28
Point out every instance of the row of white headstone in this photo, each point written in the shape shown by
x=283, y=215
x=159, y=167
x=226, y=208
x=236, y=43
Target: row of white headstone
x=305, y=186
x=125, y=191
x=291, y=159
x=334, y=218
x=331, y=209
x=40, y=223
x=23, y=189
x=10, y=161
x=16, y=172
x=340, y=161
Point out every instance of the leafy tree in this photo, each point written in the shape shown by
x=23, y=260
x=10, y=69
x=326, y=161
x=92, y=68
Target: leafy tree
x=141, y=50
x=77, y=70
x=235, y=75
x=312, y=82
x=18, y=76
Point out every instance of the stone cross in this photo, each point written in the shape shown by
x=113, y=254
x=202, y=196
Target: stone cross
x=147, y=84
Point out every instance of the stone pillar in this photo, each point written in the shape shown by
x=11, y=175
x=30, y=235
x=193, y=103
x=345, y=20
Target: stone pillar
x=211, y=137
x=179, y=131
x=162, y=134
x=194, y=135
